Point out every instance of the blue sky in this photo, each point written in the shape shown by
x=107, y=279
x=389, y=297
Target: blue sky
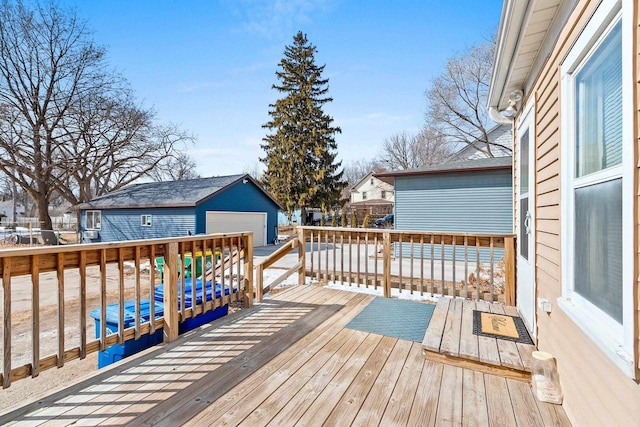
x=209, y=65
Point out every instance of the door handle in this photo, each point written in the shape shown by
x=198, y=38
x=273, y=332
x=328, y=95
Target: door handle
x=527, y=223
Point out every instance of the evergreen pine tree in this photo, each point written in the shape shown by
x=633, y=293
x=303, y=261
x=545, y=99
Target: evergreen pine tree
x=300, y=150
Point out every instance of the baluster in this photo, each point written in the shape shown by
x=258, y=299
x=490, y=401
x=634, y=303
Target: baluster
x=411, y=267
x=421, y=264
x=453, y=265
x=442, y=265
x=35, y=313
x=466, y=266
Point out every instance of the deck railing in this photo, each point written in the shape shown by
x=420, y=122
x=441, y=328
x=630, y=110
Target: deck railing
x=42, y=286
x=468, y=265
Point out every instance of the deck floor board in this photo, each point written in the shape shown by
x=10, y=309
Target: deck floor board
x=291, y=361
x=455, y=343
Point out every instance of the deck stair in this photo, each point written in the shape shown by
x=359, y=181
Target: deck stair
x=450, y=339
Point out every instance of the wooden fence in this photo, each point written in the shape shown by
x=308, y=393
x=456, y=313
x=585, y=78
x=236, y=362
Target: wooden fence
x=26, y=268
x=467, y=265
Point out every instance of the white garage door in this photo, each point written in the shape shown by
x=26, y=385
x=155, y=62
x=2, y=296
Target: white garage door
x=235, y=222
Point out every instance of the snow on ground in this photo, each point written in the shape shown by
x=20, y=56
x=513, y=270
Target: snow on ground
x=395, y=293
x=272, y=274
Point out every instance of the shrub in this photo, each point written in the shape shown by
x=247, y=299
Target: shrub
x=366, y=222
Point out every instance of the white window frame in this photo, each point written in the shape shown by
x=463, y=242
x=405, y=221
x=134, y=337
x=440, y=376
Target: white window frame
x=364, y=195
x=86, y=220
x=615, y=339
x=383, y=194
x=146, y=220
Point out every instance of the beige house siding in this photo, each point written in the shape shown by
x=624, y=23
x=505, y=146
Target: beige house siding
x=596, y=391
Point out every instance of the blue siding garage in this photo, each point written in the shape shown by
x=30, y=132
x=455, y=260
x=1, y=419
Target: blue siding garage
x=474, y=196
x=175, y=208
x=126, y=224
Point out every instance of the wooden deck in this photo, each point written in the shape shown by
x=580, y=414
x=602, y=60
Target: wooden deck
x=290, y=361
x=450, y=339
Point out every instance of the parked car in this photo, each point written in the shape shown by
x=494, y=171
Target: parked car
x=385, y=220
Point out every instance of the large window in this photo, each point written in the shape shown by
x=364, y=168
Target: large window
x=594, y=185
x=93, y=220
x=597, y=183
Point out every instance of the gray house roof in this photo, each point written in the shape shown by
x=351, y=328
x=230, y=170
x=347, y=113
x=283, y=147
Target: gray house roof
x=501, y=138
x=490, y=163
x=182, y=193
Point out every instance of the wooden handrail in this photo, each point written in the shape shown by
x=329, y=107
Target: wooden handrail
x=271, y=260
x=456, y=254
x=36, y=261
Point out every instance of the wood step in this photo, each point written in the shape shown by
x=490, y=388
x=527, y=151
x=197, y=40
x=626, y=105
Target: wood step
x=450, y=339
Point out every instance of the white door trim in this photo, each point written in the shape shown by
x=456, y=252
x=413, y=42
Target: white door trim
x=526, y=290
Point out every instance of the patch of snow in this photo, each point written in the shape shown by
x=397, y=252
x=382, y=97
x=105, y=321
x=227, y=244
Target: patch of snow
x=395, y=293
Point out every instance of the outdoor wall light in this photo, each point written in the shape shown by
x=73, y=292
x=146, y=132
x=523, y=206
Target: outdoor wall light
x=506, y=116
x=514, y=98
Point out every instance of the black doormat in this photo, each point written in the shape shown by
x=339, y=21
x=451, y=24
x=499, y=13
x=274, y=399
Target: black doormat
x=504, y=327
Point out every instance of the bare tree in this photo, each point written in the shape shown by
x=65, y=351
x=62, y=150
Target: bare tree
x=68, y=125
x=400, y=151
x=403, y=151
x=354, y=171
x=254, y=170
x=457, y=99
x=433, y=149
x=177, y=167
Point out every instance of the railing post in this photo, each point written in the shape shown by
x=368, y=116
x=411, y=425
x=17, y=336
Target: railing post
x=386, y=264
x=248, y=270
x=259, y=282
x=510, y=271
x=170, y=292
x=302, y=248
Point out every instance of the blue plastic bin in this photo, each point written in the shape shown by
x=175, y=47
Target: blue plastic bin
x=120, y=351
x=201, y=319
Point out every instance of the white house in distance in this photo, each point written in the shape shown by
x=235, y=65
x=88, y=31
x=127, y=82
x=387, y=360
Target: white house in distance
x=373, y=196
x=371, y=188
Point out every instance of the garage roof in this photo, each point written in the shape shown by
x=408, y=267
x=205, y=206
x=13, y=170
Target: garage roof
x=182, y=193
x=491, y=163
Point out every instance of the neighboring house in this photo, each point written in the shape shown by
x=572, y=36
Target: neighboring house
x=371, y=188
x=568, y=71
x=471, y=196
x=178, y=208
x=371, y=195
x=501, y=139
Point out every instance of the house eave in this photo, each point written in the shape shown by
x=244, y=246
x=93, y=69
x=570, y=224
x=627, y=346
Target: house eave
x=511, y=23
x=526, y=29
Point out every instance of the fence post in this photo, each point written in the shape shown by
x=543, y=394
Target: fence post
x=248, y=270
x=170, y=292
x=386, y=263
x=302, y=248
x=510, y=271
